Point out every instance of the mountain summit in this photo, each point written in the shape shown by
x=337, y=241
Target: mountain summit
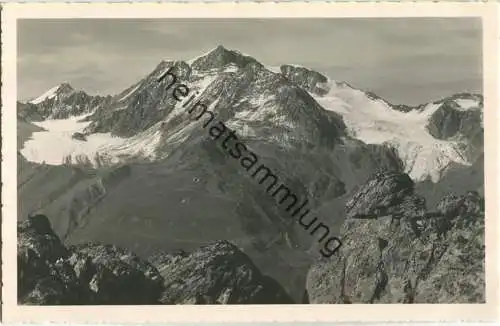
x=61, y=102
x=59, y=90
x=220, y=57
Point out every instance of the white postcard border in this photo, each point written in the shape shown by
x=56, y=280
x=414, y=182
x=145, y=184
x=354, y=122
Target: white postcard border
x=246, y=313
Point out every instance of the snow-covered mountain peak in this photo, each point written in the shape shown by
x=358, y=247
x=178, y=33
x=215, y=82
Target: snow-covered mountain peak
x=54, y=92
x=60, y=102
x=220, y=57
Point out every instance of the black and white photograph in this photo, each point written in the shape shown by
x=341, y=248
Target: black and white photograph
x=250, y=161
x=290, y=161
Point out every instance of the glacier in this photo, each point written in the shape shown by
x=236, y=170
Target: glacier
x=374, y=121
x=55, y=144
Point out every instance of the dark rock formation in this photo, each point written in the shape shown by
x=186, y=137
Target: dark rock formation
x=460, y=118
x=116, y=275
x=93, y=274
x=51, y=274
x=308, y=79
x=218, y=273
x=44, y=277
x=142, y=105
x=385, y=193
x=79, y=136
x=66, y=102
x=451, y=120
x=28, y=112
x=407, y=256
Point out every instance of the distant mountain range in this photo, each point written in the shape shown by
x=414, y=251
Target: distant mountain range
x=133, y=170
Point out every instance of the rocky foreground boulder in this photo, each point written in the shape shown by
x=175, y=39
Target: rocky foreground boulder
x=51, y=274
x=44, y=277
x=94, y=273
x=394, y=251
x=218, y=273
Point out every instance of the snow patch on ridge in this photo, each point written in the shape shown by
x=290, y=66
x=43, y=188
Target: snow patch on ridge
x=375, y=122
x=263, y=108
x=196, y=88
x=467, y=104
x=54, y=144
x=275, y=69
x=51, y=93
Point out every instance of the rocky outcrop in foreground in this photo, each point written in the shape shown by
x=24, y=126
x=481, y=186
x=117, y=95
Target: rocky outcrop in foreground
x=216, y=274
x=394, y=251
x=51, y=274
x=92, y=273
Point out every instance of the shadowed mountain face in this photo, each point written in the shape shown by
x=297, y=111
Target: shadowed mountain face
x=136, y=170
x=310, y=80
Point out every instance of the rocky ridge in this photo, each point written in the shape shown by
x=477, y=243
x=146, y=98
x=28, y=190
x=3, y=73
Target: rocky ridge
x=310, y=80
x=395, y=251
x=61, y=102
x=93, y=273
x=460, y=118
x=218, y=273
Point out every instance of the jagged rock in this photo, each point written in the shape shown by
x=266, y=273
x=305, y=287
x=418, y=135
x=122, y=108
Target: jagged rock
x=385, y=193
x=43, y=275
x=37, y=239
x=63, y=102
x=452, y=121
x=119, y=276
x=93, y=273
x=141, y=106
x=308, y=79
x=435, y=258
x=54, y=284
x=50, y=274
x=79, y=136
x=218, y=273
x=453, y=205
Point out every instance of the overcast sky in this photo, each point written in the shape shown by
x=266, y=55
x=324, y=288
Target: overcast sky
x=410, y=60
